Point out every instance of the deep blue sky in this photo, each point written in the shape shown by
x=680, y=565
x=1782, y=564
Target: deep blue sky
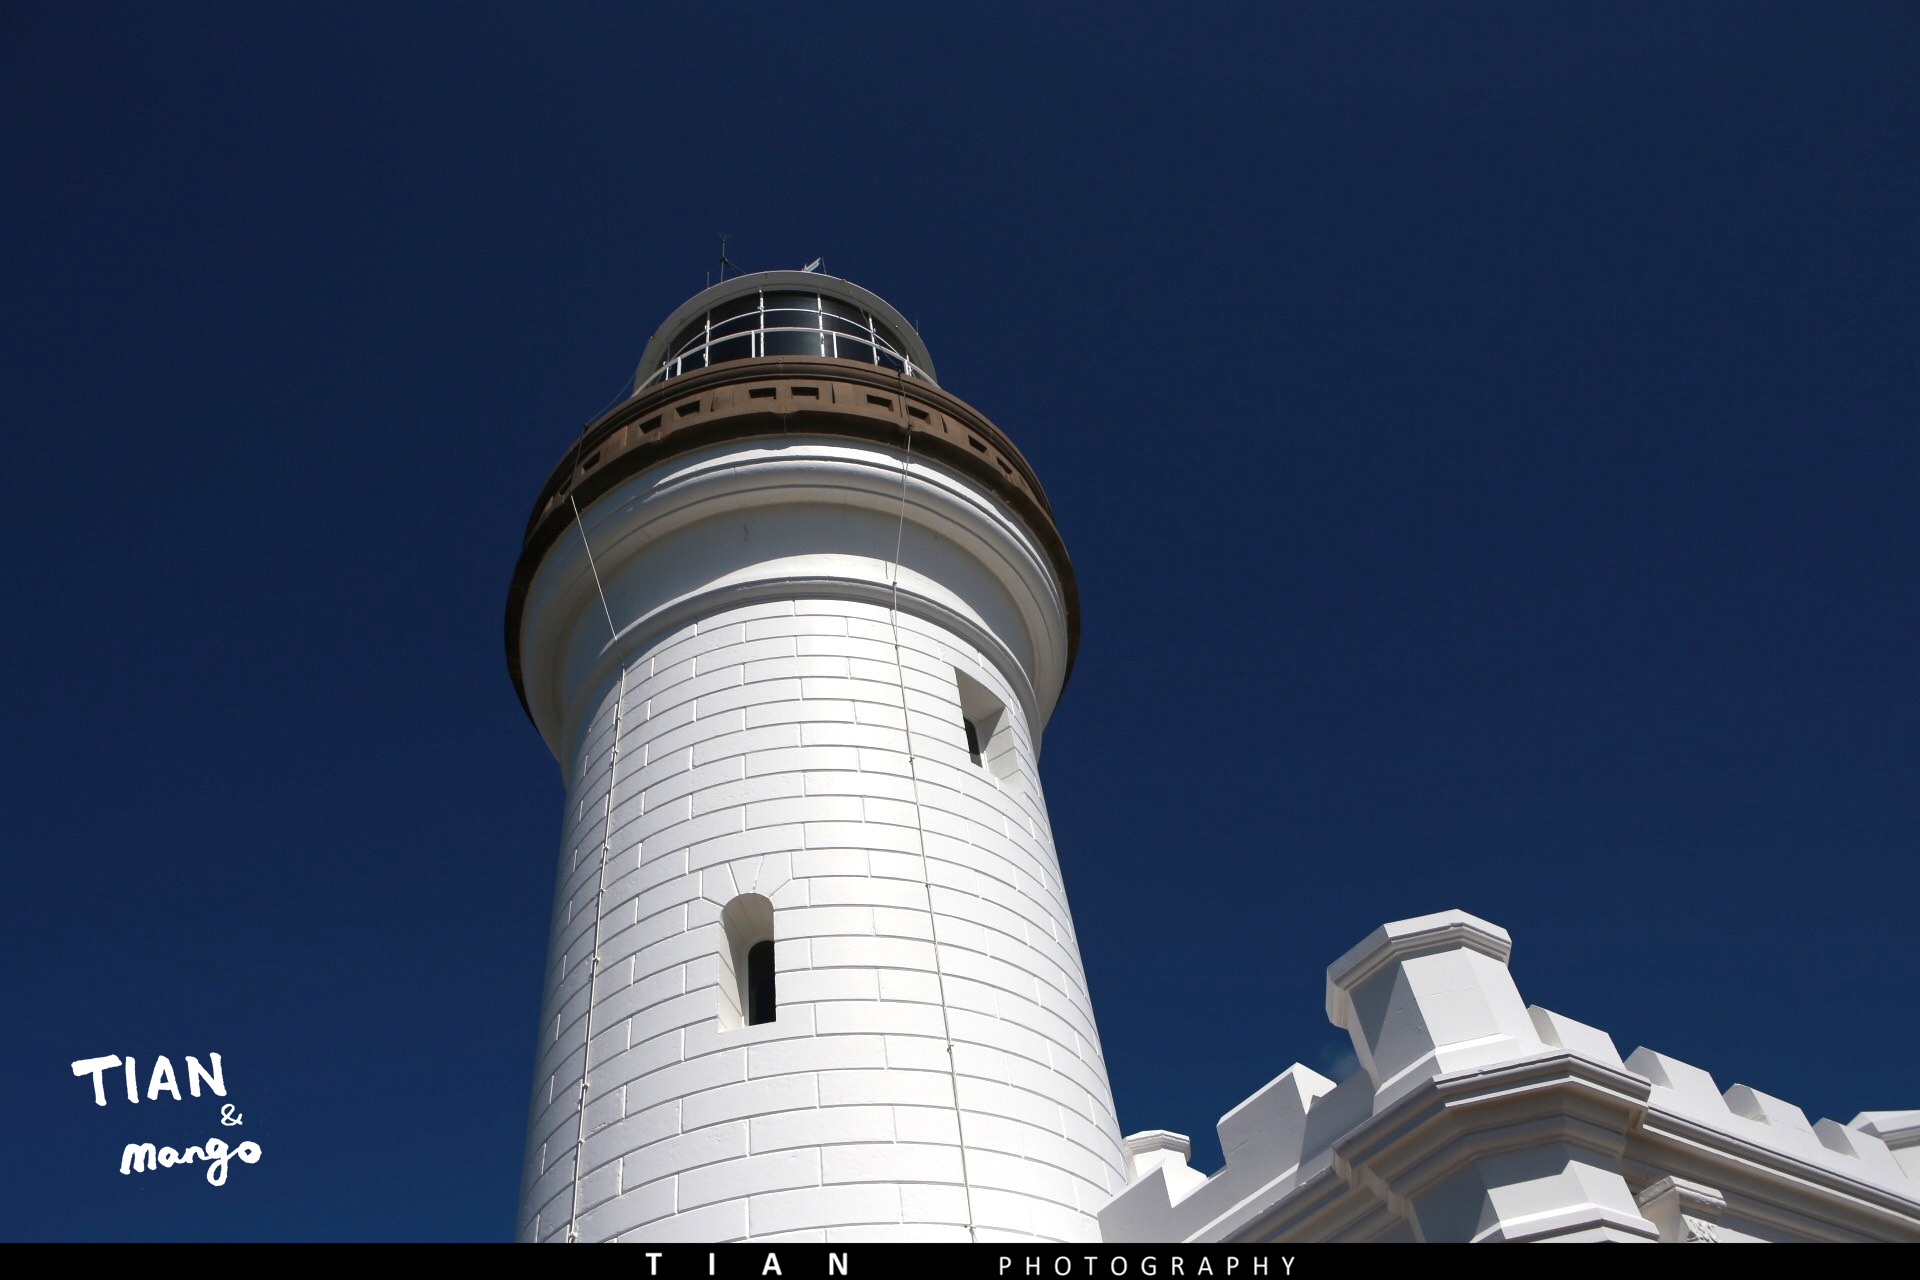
x=1486, y=435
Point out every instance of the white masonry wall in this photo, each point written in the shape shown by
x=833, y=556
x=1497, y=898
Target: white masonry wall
x=765, y=749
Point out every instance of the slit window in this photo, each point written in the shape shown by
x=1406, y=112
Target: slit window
x=760, y=995
x=747, y=963
x=990, y=730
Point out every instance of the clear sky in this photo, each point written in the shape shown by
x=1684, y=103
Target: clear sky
x=1486, y=436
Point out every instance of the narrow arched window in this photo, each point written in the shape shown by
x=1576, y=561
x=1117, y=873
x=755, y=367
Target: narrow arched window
x=760, y=998
x=747, y=965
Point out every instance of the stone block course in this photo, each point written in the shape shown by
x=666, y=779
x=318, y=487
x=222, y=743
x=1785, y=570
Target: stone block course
x=877, y=1017
x=890, y=1087
x=822, y=1127
x=754, y=1098
x=633, y=1208
x=714, y=1223
x=808, y=986
x=828, y=1051
x=825, y=1207
x=890, y=1162
x=918, y=1053
x=748, y=1174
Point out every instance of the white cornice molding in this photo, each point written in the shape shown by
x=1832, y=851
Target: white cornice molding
x=1767, y=1184
x=712, y=495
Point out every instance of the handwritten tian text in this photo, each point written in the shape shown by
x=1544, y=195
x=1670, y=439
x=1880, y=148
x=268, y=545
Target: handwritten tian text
x=138, y=1157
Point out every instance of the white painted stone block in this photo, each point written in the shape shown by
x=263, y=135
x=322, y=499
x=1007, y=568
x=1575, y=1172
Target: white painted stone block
x=816, y=1053
x=1874, y=1159
x=642, y=1127
x=1899, y=1130
x=753, y=1098
x=933, y=1203
x=698, y=1148
x=896, y=1088
x=1789, y=1125
x=1544, y=1191
x=1563, y=1032
x=936, y=1124
x=1681, y=1086
x=810, y=985
x=891, y=1162
x=1426, y=996
x=1271, y=1126
x=747, y=1175
x=635, y=1208
x=993, y=1170
x=821, y=1127
x=714, y=1223
x=826, y=1207
x=879, y=1017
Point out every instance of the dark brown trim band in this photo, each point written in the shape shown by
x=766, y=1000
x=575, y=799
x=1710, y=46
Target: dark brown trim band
x=798, y=395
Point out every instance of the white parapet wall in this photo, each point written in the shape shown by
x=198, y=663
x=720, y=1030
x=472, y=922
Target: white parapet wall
x=762, y=743
x=1474, y=1117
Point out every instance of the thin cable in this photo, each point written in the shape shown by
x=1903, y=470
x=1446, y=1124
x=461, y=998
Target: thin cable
x=600, y=893
x=920, y=833
x=613, y=631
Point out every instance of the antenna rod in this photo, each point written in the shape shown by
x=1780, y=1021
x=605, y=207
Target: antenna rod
x=725, y=261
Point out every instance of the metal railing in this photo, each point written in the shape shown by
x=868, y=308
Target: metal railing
x=782, y=330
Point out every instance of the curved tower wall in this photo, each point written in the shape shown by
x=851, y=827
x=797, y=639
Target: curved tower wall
x=777, y=710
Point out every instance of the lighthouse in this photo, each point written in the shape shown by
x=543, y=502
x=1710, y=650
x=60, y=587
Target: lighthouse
x=792, y=619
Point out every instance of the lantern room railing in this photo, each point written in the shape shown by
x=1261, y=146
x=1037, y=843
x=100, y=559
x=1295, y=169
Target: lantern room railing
x=781, y=323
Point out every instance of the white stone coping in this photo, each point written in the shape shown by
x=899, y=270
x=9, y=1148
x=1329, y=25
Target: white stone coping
x=1404, y=939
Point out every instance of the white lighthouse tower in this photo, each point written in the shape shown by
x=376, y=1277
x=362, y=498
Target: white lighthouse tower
x=792, y=619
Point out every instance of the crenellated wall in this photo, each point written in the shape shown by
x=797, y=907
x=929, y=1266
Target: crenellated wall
x=1474, y=1117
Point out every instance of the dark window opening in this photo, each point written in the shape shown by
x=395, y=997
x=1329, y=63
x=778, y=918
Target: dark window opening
x=992, y=731
x=788, y=342
x=760, y=999
x=850, y=348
